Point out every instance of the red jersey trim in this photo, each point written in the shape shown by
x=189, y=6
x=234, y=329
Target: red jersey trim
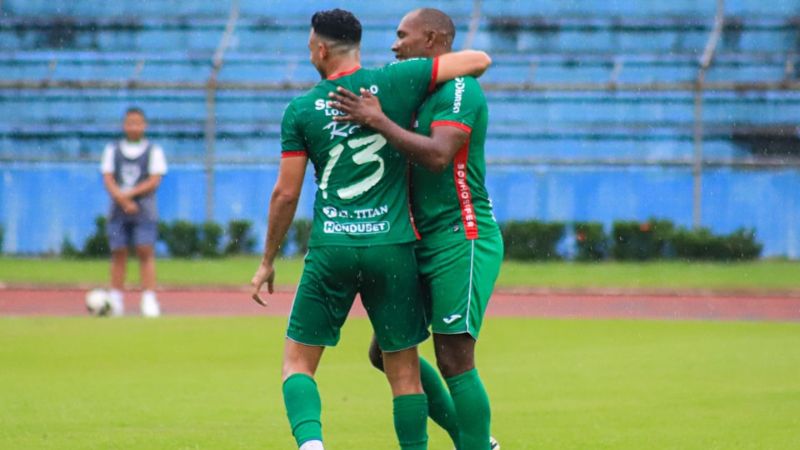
x=460, y=173
x=293, y=153
x=434, y=74
x=451, y=123
x=344, y=73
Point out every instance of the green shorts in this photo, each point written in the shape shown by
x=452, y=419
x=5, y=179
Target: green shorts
x=458, y=279
x=386, y=276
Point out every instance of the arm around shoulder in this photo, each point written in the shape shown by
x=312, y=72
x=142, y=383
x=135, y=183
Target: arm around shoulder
x=463, y=63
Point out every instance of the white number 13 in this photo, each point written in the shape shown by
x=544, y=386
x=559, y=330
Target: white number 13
x=373, y=144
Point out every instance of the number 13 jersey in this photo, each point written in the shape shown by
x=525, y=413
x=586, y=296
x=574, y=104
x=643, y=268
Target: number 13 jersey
x=362, y=186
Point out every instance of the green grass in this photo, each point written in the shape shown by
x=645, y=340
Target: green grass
x=213, y=383
x=760, y=275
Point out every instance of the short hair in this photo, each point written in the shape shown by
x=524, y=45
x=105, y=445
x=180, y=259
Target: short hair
x=135, y=110
x=338, y=25
x=436, y=20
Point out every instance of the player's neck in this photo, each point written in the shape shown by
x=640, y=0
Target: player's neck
x=342, y=66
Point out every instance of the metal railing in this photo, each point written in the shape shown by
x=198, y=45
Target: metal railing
x=705, y=63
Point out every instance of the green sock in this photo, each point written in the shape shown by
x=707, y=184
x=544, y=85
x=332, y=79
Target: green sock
x=411, y=420
x=303, y=406
x=472, y=409
x=440, y=404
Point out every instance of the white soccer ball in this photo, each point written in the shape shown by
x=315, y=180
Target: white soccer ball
x=98, y=302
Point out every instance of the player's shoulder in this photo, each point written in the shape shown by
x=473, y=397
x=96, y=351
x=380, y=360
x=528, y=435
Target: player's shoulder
x=460, y=83
x=306, y=99
x=403, y=65
x=459, y=90
x=156, y=148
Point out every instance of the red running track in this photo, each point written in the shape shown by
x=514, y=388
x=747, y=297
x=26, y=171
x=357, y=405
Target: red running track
x=230, y=302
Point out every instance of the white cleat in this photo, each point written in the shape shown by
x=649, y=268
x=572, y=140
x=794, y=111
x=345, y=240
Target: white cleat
x=149, y=305
x=312, y=445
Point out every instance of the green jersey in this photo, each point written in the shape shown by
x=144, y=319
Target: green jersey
x=362, y=186
x=454, y=204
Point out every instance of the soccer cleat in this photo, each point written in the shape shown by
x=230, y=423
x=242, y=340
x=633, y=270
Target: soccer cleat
x=312, y=445
x=149, y=305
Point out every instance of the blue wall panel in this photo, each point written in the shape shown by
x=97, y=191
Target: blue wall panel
x=42, y=204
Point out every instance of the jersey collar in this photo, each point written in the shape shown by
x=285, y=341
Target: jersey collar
x=344, y=73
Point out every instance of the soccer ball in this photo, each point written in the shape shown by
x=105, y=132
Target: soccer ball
x=98, y=303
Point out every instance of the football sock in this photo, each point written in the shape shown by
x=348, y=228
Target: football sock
x=472, y=409
x=440, y=404
x=411, y=420
x=303, y=407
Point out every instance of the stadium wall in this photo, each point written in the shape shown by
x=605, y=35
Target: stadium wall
x=43, y=203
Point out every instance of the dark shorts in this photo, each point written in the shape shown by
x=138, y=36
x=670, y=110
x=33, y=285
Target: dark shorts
x=124, y=234
x=386, y=277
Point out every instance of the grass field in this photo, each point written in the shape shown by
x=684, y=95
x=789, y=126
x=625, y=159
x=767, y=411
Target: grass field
x=760, y=275
x=212, y=383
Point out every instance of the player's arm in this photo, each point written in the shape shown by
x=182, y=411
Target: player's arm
x=282, y=207
x=434, y=152
x=460, y=64
x=119, y=197
x=150, y=184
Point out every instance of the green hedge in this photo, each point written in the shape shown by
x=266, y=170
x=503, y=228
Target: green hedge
x=702, y=244
x=240, y=240
x=523, y=240
x=641, y=241
x=591, y=241
x=182, y=238
x=532, y=240
x=628, y=241
x=96, y=245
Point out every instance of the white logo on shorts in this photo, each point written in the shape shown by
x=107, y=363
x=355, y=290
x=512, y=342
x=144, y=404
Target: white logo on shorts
x=451, y=319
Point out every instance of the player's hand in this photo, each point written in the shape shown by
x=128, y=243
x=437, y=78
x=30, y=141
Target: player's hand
x=264, y=274
x=365, y=110
x=129, y=206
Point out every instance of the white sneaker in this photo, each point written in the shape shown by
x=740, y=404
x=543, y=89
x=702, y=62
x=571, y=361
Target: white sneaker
x=149, y=305
x=115, y=303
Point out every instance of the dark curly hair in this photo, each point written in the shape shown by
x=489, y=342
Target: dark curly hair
x=338, y=25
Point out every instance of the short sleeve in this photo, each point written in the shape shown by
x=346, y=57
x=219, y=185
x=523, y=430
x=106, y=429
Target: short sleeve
x=458, y=104
x=107, y=160
x=158, y=162
x=412, y=78
x=292, y=141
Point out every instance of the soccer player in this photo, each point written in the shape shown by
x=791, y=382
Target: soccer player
x=362, y=236
x=132, y=170
x=461, y=249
